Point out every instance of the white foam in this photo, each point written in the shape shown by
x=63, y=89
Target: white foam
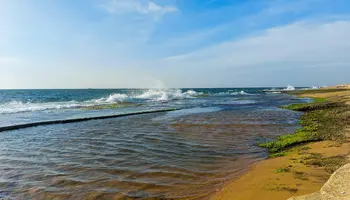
x=157, y=94
x=242, y=92
x=289, y=88
x=18, y=106
x=151, y=95
x=113, y=98
x=166, y=94
x=192, y=93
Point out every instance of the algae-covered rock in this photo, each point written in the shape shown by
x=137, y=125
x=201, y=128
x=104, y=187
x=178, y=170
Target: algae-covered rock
x=337, y=187
x=111, y=106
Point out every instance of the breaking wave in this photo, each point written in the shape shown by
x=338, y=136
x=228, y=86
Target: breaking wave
x=289, y=88
x=113, y=98
x=167, y=94
x=137, y=96
x=233, y=93
x=160, y=95
x=18, y=106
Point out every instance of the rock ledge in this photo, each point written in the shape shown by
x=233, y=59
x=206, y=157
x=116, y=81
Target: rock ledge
x=337, y=187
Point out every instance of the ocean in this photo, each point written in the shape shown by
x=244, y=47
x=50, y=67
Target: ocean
x=187, y=153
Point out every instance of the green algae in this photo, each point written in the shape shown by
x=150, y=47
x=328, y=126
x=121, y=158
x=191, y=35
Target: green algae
x=322, y=120
x=111, y=106
x=282, y=170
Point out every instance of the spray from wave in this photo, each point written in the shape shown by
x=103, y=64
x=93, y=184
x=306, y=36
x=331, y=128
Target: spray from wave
x=289, y=88
x=113, y=98
x=167, y=94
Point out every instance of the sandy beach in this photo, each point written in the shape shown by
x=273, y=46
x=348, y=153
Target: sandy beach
x=303, y=169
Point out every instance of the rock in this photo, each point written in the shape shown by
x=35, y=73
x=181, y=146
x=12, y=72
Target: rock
x=337, y=187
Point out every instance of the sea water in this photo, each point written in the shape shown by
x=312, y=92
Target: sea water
x=187, y=153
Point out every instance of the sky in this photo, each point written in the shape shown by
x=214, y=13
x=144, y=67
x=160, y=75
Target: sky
x=173, y=43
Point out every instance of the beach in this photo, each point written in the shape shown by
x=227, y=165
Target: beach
x=305, y=166
x=174, y=99
x=134, y=143
x=168, y=143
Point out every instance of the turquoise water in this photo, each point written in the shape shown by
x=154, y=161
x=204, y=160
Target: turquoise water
x=186, y=153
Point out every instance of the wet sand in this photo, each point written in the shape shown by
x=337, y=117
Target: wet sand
x=288, y=176
x=263, y=181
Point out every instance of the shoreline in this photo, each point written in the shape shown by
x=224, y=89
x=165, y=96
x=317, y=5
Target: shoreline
x=301, y=166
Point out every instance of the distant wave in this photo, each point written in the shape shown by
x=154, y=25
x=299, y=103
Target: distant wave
x=233, y=93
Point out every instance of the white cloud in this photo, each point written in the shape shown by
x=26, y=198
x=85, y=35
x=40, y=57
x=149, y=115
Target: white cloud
x=129, y=6
x=306, y=52
x=305, y=42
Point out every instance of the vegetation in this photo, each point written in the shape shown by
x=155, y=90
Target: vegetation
x=282, y=169
x=322, y=120
x=300, y=175
x=111, y=106
x=330, y=164
x=318, y=91
x=281, y=187
x=277, y=154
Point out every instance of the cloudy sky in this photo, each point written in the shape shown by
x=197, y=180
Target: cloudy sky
x=169, y=43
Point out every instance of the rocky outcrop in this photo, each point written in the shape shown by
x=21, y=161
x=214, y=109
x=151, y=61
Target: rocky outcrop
x=337, y=187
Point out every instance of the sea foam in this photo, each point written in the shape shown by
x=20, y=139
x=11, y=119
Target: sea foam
x=18, y=106
x=289, y=88
x=156, y=95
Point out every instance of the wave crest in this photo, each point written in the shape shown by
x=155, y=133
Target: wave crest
x=166, y=94
x=289, y=88
x=113, y=98
x=18, y=106
x=242, y=92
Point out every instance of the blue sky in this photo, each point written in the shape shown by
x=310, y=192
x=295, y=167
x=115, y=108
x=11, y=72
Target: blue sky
x=169, y=43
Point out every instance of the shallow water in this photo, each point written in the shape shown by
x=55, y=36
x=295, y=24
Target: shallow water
x=181, y=154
